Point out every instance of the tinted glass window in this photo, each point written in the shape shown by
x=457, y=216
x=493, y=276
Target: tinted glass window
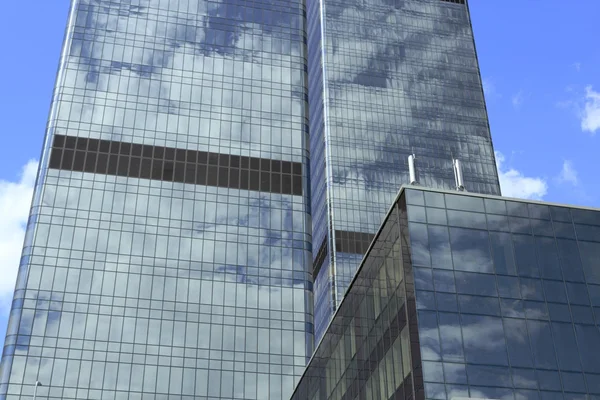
x=590, y=259
x=452, y=344
x=531, y=289
x=519, y=225
x=444, y=281
x=588, y=339
x=466, y=219
x=484, y=340
x=498, y=223
x=465, y=203
x=439, y=245
x=564, y=230
x=494, y=206
x=436, y=216
x=517, y=209
x=474, y=283
x=508, y=286
x=433, y=199
x=416, y=214
x=414, y=197
x=539, y=211
x=502, y=253
x=560, y=214
x=578, y=293
x=430, y=343
x=585, y=217
x=542, y=228
x=517, y=341
x=569, y=260
x=525, y=255
x=419, y=244
x=542, y=344
x=555, y=291
x=548, y=258
x=471, y=250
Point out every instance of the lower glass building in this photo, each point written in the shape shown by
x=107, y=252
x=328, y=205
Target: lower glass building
x=463, y=295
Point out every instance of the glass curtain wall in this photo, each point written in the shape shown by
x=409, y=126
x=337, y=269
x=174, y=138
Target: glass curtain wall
x=400, y=77
x=168, y=251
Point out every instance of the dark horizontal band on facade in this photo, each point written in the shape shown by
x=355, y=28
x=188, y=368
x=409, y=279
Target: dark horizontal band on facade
x=169, y=164
x=352, y=242
x=455, y=1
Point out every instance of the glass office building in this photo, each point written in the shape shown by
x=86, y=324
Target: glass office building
x=168, y=251
x=387, y=78
x=465, y=295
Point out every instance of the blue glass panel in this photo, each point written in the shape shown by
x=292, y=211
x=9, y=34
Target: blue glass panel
x=439, y=245
x=517, y=342
x=450, y=336
x=570, y=260
x=455, y=373
x=444, y=281
x=471, y=250
x=479, y=305
x=525, y=255
x=524, y=378
x=480, y=375
x=573, y=382
x=430, y=337
x=549, y=380
x=509, y=287
x=542, y=344
x=447, y=302
x=531, y=289
x=484, y=340
x=502, y=253
x=474, y=283
x=590, y=260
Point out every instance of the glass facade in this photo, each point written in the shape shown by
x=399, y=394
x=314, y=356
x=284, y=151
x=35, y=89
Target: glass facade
x=388, y=78
x=488, y=298
x=168, y=253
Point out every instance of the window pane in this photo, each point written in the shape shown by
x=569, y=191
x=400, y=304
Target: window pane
x=542, y=344
x=502, y=253
x=439, y=245
x=484, y=340
x=471, y=250
x=525, y=255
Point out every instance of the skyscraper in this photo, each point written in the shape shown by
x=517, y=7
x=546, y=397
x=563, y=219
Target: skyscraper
x=168, y=250
x=387, y=78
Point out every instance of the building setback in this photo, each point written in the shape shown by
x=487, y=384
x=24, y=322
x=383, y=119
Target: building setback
x=168, y=251
x=387, y=78
x=468, y=296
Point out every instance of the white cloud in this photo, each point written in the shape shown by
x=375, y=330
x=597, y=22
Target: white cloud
x=590, y=117
x=518, y=99
x=577, y=66
x=15, y=201
x=568, y=174
x=514, y=184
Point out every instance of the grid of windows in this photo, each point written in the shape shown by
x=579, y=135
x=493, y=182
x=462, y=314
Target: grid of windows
x=508, y=297
x=136, y=280
x=467, y=296
x=400, y=77
x=366, y=352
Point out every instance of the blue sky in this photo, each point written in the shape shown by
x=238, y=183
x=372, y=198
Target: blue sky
x=539, y=63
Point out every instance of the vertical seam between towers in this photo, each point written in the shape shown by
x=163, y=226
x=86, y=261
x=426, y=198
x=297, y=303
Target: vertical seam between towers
x=327, y=154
